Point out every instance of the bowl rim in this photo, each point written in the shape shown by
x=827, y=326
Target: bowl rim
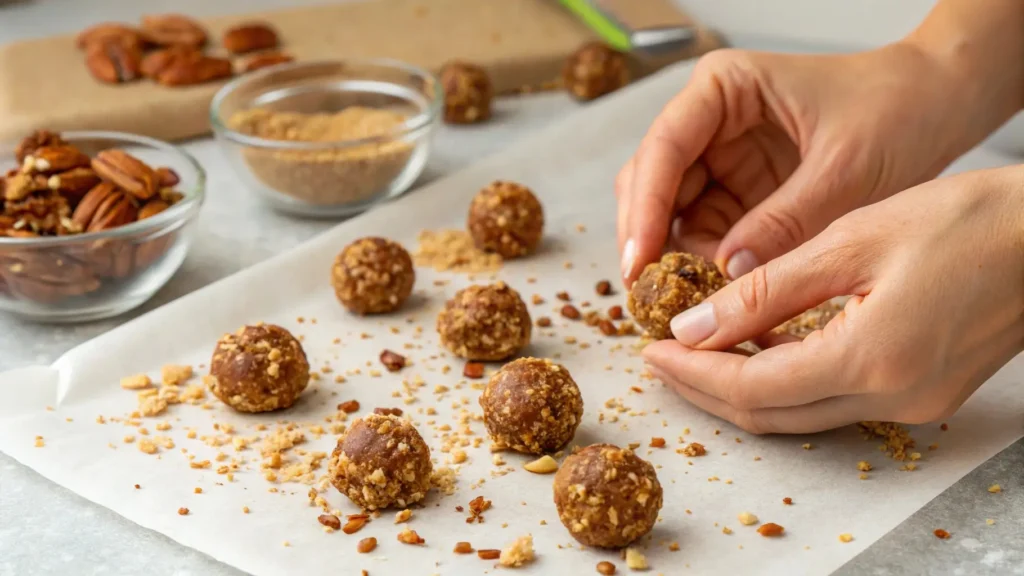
x=424, y=119
x=182, y=210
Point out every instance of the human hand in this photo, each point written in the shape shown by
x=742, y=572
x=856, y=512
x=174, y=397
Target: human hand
x=761, y=151
x=937, y=279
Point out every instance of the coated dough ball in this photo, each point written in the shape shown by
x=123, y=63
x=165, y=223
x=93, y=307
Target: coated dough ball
x=506, y=218
x=607, y=496
x=595, y=70
x=259, y=368
x=532, y=406
x=678, y=282
x=485, y=323
x=373, y=276
x=467, y=93
x=381, y=462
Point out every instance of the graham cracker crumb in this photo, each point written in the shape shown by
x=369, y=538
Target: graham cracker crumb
x=453, y=251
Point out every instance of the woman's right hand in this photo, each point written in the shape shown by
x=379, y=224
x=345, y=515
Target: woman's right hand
x=760, y=152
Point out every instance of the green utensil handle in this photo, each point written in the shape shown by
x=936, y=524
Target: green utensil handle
x=601, y=22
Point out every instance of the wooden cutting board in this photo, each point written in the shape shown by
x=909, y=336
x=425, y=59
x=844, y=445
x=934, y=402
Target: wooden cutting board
x=520, y=42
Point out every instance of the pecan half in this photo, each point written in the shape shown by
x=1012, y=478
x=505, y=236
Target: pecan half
x=128, y=172
x=46, y=276
x=152, y=208
x=173, y=30
x=109, y=32
x=392, y=360
x=117, y=210
x=249, y=37
x=113, y=63
x=265, y=60
x=53, y=159
x=167, y=177
x=87, y=208
x=155, y=63
x=205, y=69
x=35, y=141
x=74, y=184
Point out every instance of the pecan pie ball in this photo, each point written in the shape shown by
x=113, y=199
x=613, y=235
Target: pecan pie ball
x=607, y=496
x=678, y=282
x=506, y=218
x=485, y=323
x=381, y=462
x=594, y=70
x=259, y=368
x=467, y=93
x=373, y=276
x=532, y=406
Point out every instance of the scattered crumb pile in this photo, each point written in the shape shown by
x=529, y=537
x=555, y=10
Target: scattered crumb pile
x=896, y=438
x=453, y=251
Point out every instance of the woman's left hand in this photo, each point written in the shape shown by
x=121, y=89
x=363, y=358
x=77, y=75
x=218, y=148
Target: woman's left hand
x=937, y=278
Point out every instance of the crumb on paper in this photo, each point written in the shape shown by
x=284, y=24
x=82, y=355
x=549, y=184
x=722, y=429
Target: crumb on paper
x=995, y=489
x=635, y=559
x=747, y=519
x=174, y=374
x=941, y=534
x=136, y=382
x=845, y=538
x=403, y=516
x=519, y=553
x=453, y=251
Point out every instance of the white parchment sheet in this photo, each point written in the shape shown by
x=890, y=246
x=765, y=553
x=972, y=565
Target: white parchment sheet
x=571, y=167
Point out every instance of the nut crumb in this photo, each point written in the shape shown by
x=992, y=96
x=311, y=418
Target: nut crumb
x=941, y=534
x=846, y=537
x=995, y=489
x=605, y=568
x=518, y=553
x=489, y=554
x=787, y=501
x=657, y=442
x=474, y=370
x=366, y=545
x=770, y=530
x=403, y=516
x=136, y=382
x=864, y=466
x=182, y=511
x=408, y=536
x=463, y=548
x=543, y=465
x=330, y=520
x=635, y=559
x=747, y=519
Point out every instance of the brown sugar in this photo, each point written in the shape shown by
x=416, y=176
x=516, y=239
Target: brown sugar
x=345, y=173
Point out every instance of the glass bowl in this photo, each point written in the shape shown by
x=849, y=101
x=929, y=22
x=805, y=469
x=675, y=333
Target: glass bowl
x=93, y=275
x=375, y=153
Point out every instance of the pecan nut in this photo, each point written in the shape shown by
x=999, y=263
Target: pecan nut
x=203, y=70
x=104, y=207
x=152, y=208
x=74, y=184
x=168, y=177
x=43, y=212
x=249, y=37
x=53, y=159
x=157, y=62
x=127, y=172
x=265, y=60
x=113, y=63
x=46, y=276
x=173, y=30
x=37, y=140
x=21, y=185
x=109, y=32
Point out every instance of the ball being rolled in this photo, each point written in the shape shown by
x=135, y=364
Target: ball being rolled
x=666, y=288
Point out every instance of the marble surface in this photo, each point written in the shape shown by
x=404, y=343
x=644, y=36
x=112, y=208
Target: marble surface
x=45, y=529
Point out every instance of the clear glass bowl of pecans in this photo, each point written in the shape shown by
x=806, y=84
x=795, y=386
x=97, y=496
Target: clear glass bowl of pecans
x=92, y=224
x=328, y=139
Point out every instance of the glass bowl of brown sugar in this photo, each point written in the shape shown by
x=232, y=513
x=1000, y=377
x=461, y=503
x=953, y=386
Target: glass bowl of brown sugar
x=328, y=139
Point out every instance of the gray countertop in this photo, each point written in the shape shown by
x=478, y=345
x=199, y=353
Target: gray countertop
x=45, y=529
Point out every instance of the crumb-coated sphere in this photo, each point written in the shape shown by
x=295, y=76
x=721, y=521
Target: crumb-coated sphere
x=532, y=406
x=467, y=93
x=485, y=323
x=607, y=496
x=678, y=282
x=258, y=368
x=594, y=70
x=381, y=461
x=506, y=218
x=373, y=276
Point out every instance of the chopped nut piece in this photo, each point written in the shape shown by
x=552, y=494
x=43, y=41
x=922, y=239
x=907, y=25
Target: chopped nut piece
x=463, y=548
x=403, y=516
x=770, y=530
x=605, y=568
x=726, y=530
x=330, y=520
x=489, y=554
x=864, y=466
x=989, y=521
x=543, y=322
x=787, y=501
x=844, y=538
x=518, y=553
x=940, y=533
x=635, y=559
x=355, y=523
x=807, y=446
x=408, y=536
x=392, y=361
x=136, y=382
x=563, y=296
x=944, y=427
x=458, y=456
x=543, y=465
x=366, y=545
x=694, y=449
x=607, y=328
x=172, y=374
x=657, y=442
x=603, y=288
x=995, y=488
x=569, y=311
x=349, y=406
x=747, y=519
x=473, y=370
x=146, y=445
x=182, y=511
x=615, y=313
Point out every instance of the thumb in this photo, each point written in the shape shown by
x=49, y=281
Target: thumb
x=832, y=264
x=796, y=212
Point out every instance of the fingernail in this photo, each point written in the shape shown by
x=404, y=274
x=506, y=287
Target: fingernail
x=740, y=263
x=695, y=325
x=655, y=371
x=628, y=258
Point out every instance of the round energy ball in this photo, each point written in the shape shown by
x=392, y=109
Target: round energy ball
x=373, y=276
x=607, y=496
x=594, y=70
x=532, y=406
x=381, y=461
x=485, y=323
x=467, y=93
x=259, y=368
x=678, y=282
x=506, y=218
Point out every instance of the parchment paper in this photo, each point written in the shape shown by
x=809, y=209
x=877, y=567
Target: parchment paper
x=571, y=167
